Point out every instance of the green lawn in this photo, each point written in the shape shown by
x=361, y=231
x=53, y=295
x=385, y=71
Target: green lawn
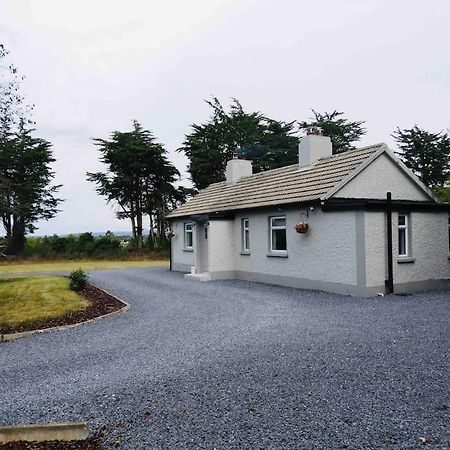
x=68, y=266
x=25, y=300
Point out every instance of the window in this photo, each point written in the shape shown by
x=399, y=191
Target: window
x=403, y=235
x=245, y=235
x=278, y=234
x=188, y=236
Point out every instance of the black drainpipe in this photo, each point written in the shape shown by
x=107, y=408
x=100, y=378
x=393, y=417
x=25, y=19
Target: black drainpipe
x=390, y=280
x=170, y=249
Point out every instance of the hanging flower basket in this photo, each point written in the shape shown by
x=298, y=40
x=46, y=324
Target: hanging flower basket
x=301, y=228
x=170, y=234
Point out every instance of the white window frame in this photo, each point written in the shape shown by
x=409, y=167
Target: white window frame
x=406, y=228
x=186, y=231
x=245, y=230
x=276, y=227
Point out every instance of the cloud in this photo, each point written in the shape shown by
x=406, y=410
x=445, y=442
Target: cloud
x=93, y=67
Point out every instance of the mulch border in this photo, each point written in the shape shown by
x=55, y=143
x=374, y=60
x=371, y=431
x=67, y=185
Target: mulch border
x=91, y=443
x=101, y=304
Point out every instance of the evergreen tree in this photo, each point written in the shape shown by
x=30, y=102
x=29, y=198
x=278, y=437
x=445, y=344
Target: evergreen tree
x=210, y=145
x=26, y=194
x=426, y=154
x=342, y=132
x=139, y=179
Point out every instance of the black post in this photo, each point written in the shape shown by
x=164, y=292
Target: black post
x=390, y=280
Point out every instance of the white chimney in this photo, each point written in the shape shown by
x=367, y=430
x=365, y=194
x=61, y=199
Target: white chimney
x=312, y=147
x=236, y=169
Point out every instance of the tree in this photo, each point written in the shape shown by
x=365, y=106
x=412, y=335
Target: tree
x=342, y=132
x=444, y=192
x=426, y=154
x=26, y=194
x=139, y=179
x=210, y=145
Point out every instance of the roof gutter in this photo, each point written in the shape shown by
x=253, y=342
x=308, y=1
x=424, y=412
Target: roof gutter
x=351, y=204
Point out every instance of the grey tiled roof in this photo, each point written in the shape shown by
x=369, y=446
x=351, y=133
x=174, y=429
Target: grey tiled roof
x=278, y=186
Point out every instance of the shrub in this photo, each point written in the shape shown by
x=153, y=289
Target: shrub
x=78, y=280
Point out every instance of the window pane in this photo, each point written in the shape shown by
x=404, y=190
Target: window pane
x=245, y=235
x=246, y=240
x=188, y=235
x=279, y=222
x=279, y=240
x=401, y=220
x=402, y=242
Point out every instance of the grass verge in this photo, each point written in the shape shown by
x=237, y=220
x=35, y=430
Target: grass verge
x=24, y=300
x=7, y=268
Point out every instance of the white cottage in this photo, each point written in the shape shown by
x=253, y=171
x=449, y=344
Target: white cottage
x=358, y=223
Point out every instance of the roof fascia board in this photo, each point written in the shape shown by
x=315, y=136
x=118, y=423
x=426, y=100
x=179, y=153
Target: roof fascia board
x=227, y=214
x=345, y=204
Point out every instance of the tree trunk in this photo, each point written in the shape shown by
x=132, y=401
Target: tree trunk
x=151, y=235
x=15, y=242
x=133, y=227
x=6, y=220
x=139, y=229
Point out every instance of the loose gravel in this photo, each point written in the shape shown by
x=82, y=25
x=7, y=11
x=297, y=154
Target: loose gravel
x=232, y=364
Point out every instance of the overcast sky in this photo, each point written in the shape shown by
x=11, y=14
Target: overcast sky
x=92, y=67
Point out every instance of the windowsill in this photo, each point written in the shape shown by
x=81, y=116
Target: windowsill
x=188, y=249
x=245, y=253
x=405, y=260
x=277, y=255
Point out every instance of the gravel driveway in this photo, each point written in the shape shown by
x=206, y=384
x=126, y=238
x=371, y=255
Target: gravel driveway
x=232, y=364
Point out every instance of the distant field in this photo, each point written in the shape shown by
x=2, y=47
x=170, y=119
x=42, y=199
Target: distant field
x=68, y=266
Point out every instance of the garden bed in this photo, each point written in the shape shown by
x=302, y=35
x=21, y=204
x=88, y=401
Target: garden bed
x=99, y=304
x=92, y=443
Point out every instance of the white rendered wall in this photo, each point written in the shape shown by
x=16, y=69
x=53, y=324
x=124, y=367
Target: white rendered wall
x=326, y=253
x=429, y=248
x=429, y=238
x=376, y=248
x=221, y=247
x=380, y=176
x=182, y=260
